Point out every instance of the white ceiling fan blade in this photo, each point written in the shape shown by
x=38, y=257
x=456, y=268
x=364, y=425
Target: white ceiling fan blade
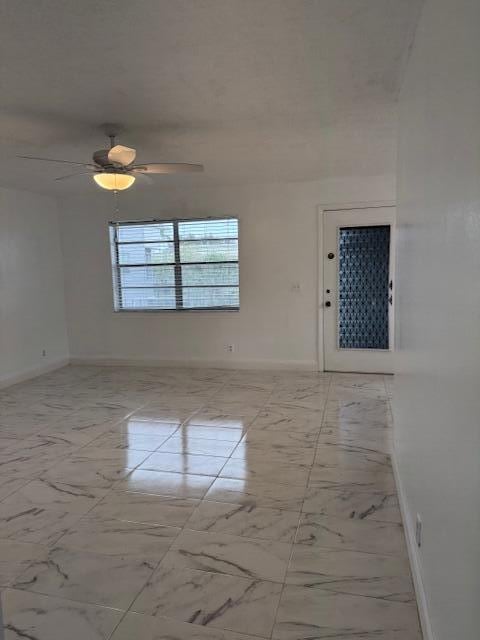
x=168, y=167
x=142, y=177
x=122, y=155
x=72, y=175
x=81, y=164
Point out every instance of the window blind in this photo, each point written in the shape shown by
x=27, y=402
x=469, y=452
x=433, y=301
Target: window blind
x=175, y=265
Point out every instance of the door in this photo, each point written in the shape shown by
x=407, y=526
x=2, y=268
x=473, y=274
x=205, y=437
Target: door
x=358, y=290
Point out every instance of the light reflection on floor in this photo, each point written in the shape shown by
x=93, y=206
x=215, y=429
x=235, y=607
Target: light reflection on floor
x=200, y=504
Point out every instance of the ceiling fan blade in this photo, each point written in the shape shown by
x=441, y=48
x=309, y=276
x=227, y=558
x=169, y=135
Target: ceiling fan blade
x=142, y=177
x=122, y=155
x=72, y=175
x=167, y=167
x=81, y=164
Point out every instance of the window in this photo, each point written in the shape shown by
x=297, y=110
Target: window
x=175, y=265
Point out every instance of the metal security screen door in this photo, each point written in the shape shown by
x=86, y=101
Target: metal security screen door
x=363, y=270
x=358, y=290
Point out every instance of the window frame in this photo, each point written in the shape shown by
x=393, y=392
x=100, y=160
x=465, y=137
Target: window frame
x=177, y=265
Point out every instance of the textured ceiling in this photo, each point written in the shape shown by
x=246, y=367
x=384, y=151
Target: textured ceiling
x=257, y=90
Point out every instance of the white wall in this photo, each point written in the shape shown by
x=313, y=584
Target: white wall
x=437, y=395
x=276, y=325
x=32, y=306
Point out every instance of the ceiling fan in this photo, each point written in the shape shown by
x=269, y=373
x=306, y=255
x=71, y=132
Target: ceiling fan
x=115, y=169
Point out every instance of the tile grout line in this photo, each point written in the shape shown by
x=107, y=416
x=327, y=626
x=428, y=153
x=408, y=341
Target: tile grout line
x=58, y=541
x=184, y=527
x=181, y=529
x=284, y=584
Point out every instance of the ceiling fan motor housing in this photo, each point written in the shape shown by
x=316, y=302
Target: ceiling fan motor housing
x=101, y=158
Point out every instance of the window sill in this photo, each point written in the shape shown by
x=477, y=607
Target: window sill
x=203, y=310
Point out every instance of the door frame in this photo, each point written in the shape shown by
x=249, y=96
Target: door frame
x=321, y=210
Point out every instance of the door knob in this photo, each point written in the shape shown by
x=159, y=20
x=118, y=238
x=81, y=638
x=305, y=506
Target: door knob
x=328, y=303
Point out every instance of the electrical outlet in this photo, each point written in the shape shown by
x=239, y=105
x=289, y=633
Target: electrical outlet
x=418, y=531
x=230, y=348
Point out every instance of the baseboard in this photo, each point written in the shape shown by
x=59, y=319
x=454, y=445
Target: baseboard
x=293, y=365
x=32, y=372
x=414, y=558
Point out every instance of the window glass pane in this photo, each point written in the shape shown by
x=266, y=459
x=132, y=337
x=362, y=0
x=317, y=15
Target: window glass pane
x=209, y=251
x=205, y=274
x=364, y=256
x=210, y=297
x=145, y=232
x=148, y=298
x=147, y=276
x=205, y=253
x=146, y=253
x=205, y=229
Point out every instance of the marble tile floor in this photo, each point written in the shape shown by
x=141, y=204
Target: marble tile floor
x=195, y=504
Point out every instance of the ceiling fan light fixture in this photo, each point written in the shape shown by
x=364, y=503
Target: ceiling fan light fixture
x=114, y=181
